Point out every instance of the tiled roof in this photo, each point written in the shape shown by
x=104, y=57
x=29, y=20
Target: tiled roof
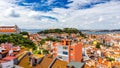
x=59, y=64
x=10, y=30
x=25, y=62
x=45, y=62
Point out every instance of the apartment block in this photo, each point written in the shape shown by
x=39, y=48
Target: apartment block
x=68, y=51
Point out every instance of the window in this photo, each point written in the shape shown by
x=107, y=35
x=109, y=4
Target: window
x=60, y=57
x=65, y=47
x=71, y=48
x=67, y=43
x=66, y=53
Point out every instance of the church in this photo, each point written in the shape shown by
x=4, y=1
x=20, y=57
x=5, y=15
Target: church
x=9, y=29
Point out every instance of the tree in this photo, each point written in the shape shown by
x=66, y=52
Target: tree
x=52, y=39
x=45, y=52
x=42, y=41
x=17, y=39
x=97, y=46
x=65, y=30
x=110, y=59
x=24, y=33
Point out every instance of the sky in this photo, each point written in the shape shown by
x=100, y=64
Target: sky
x=49, y=14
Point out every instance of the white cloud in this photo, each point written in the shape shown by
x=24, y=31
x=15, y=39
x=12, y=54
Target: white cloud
x=11, y=13
x=81, y=3
x=100, y=19
x=50, y=2
x=118, y=17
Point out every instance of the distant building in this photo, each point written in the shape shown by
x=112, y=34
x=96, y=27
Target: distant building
x=67, y=51
x=9, y=29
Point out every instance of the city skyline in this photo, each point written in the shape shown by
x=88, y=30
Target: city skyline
x=44, y=14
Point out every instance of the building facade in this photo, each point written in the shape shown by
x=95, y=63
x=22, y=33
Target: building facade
x=9, y=29
x=68, y=51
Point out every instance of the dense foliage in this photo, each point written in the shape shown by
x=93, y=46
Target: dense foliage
x=24, y=33
x=49, y=39
x=42, y=41
x=52, y=39
x=51, y=31
x=65, y=30
x=17, y=39
x=110, y=59
x=98, y=45
x=41, y=51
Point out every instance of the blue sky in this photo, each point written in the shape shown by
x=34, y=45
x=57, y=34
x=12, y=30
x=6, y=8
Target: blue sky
x=45, y=14
x=44, y=5
x=48, y=5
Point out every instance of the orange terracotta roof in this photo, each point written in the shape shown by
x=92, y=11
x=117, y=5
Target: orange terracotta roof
x=25, y=62
x=45, y=62
x=10, y=30
x=59, y=64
